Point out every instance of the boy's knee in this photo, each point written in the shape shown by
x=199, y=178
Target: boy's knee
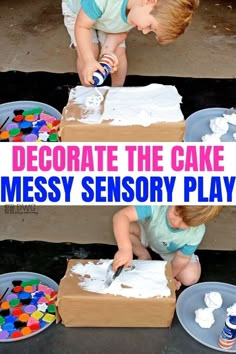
x=191, y=274
x=190, y=279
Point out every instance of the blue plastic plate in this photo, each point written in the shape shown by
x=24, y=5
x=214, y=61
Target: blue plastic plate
x=6, y=282
x=192, y=299
x=198, y=124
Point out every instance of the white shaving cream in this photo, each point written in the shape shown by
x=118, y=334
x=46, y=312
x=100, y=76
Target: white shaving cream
x=89, y=100
x=231, y=311
x=127, y=106
x=204, y=317
x=211, y=138
x=94, y=101
x=144, y=279
x=219, y=126
x=231, y=118
x=143, y=105
x=213, y=300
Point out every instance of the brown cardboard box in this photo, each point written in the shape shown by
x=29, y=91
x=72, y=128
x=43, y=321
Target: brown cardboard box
x=72, y=130
x=79, y=308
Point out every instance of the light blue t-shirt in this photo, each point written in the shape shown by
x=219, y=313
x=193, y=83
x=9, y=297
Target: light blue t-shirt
x=162, y=238
x=110, y=15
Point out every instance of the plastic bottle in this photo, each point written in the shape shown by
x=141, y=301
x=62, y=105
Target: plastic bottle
x=228, y=335
x=107, y=61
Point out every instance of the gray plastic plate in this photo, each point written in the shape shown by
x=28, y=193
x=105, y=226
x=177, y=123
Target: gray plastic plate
x=7, y=109
x=198, y=124
x=6, y=282
x=192, y=299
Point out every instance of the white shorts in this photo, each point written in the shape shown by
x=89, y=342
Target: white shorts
x=98, y=37
x=166, y=256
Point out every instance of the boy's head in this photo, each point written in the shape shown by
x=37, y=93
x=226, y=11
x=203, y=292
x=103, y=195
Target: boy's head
x=195, y=215
x=166, y=18
x=172, y=17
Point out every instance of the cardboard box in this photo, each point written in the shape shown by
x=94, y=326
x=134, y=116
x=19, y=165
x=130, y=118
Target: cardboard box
x=72, y=129
x=79, y=308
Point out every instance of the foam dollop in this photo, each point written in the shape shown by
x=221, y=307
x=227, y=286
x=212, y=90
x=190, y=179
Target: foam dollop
x=204, y=317
x=213, y=300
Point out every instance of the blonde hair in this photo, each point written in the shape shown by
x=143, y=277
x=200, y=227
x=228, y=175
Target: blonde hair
x=195, y=215
x=173, y=16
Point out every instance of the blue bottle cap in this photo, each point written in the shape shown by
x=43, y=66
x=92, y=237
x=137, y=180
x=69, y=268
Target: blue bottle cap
x=34, y=301
x=40, y=123
x=10, y=319
x=25, y=125
x=38, y=295
x=42, y=323
x=23, y=295
x=35, y=130
x=8, y=327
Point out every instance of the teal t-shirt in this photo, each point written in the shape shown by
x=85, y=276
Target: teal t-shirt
x=162, y=238
x=110, y=15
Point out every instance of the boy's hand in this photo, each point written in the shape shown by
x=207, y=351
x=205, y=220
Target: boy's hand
x=115, y=65
x=86, y=75
x=122, y=257
x=116, y=61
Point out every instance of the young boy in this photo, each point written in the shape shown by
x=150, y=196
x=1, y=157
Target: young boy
x=91, y=23
x=174, y=232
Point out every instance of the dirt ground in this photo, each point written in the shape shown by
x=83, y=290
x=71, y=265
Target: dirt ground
x=33, y=38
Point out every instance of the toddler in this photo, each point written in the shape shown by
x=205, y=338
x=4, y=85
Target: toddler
x=101, y=26
x=174, y=232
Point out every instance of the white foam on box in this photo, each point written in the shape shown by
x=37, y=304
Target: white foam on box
x=145, y=279
x=81, y=95
x=143, y=105
x=130, y=105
